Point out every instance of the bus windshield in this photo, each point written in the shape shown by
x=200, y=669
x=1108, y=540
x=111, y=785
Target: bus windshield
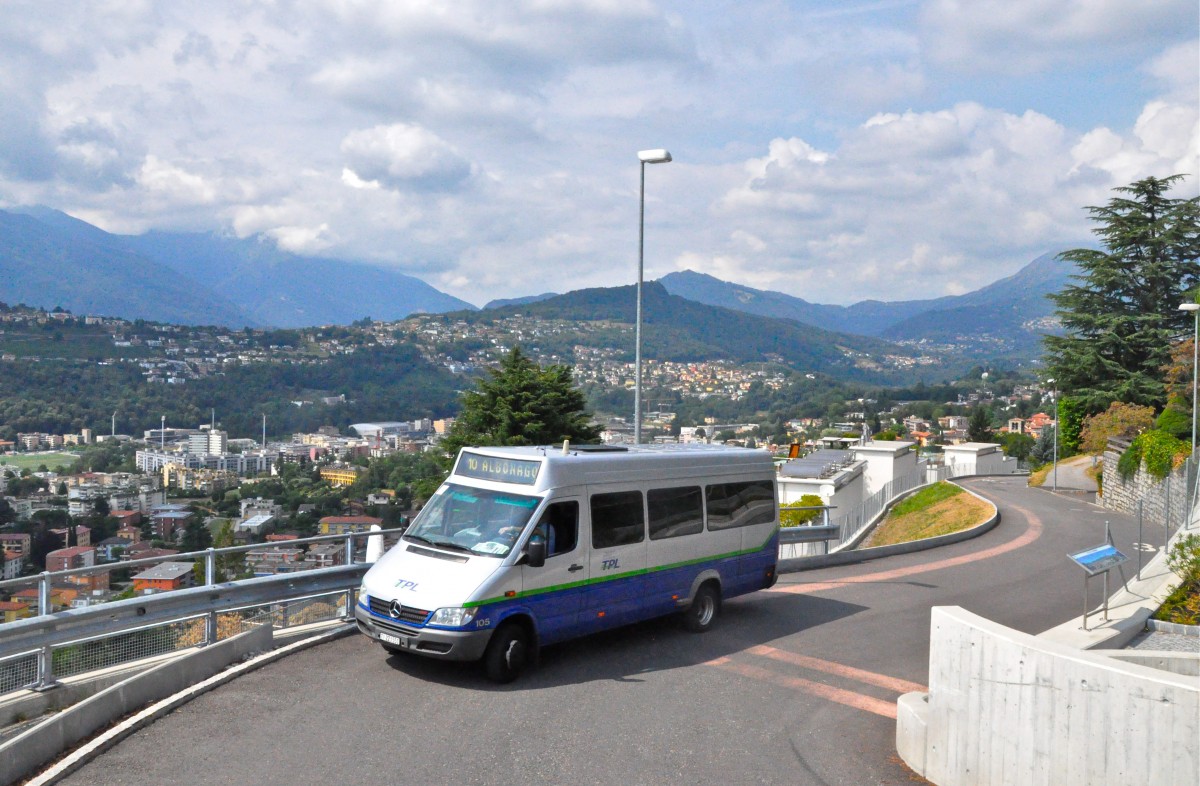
x=463, y=518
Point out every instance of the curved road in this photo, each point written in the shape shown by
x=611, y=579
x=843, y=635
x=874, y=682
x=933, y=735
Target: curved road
x=797, y=685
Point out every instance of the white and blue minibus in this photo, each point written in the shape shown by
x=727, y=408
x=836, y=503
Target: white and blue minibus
x=527, y=546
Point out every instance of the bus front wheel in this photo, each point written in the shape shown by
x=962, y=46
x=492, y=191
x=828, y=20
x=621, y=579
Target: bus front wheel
x=507, y=653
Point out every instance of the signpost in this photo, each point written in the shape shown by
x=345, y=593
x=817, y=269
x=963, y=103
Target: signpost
x=1097, y=560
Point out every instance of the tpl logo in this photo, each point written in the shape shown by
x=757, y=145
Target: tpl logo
x=404, y=584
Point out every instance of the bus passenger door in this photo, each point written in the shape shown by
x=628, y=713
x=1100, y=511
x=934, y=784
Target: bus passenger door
x=554, y=591
x=616, y=590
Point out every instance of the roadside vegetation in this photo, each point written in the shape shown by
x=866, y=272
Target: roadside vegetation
x=1182, y=606
x=939, y=509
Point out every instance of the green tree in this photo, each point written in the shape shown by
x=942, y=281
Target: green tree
x=1017, y=445
x=521, y=403
x=1043, y=448
x=979, y=427
x=1071, y=412
x=1121, y=318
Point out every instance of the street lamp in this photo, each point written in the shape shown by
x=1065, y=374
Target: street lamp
x=644, y=157
x=1054, y=470
x=1195, y=309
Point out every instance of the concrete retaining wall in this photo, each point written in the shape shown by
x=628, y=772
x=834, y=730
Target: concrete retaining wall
x=1004, y=707
x=47, y=740
x=852, y=556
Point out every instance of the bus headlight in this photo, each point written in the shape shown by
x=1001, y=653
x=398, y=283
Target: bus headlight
x=363, y=598
x=452, y=618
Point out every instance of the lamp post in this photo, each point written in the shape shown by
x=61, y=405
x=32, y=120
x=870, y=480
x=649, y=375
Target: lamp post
x=1195, y=309
x=1054, y=469
x=644, y=157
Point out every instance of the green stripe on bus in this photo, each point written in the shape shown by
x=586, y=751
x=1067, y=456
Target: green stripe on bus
x=603, y=579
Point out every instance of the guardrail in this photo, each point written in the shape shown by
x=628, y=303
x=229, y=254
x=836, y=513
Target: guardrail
x=37, y=651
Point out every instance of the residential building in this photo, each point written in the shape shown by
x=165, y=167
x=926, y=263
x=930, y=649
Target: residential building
x=127, y=518
x=12, y=610
x=14, y=565
x=109, y=549
x=341, y=525
x=326, y=555
x=71, y=558
x=271, y=560
x=340, y=475
x=143, y=550
x=81, y=537
x=164, y=578
x=254, y=524
x=17, y=542
x=257, y=506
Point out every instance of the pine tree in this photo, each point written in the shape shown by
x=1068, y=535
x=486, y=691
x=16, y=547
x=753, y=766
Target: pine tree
x=979, y=427
x=521, y=403
x=1121, y=318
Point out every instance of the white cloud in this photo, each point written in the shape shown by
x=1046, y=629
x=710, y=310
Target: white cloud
x=405, y=156
x=489, y=147
x=1024, y=36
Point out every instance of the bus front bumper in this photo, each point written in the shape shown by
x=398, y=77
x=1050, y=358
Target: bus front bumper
x=430, y=642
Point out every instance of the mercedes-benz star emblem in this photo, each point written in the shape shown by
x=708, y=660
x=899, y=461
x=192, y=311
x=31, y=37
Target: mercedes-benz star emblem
x=395, y=609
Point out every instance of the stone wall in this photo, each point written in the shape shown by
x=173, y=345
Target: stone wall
x=1159, y=498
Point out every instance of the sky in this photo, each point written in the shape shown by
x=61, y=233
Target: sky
x=884, y=149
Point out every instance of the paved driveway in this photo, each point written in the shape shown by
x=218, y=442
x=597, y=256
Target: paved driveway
x=798, y=685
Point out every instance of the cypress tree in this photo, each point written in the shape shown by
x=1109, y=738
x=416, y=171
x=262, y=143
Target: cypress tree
x=1121, y=319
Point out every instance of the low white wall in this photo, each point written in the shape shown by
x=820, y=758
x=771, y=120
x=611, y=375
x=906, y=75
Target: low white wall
x=1005, y=707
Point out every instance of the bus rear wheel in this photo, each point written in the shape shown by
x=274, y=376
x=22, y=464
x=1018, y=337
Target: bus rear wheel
x=702, y=614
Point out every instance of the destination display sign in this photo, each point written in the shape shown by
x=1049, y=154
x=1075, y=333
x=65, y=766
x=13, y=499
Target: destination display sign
x=1099, y=559
x=501, y=470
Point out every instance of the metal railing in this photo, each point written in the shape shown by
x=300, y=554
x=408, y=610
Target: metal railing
x=847, y=529
x=37, y=651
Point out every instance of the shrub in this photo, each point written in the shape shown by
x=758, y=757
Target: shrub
x=1183, y=604
x=789, y=517
x=1160, y=452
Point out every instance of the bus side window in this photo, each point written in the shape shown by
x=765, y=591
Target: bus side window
x=559, y=525
x=617, y=519
x=740, y=504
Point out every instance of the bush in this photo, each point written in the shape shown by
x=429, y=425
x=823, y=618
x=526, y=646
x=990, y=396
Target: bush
x=795, y=518
x=1183, y=604
x=1158, y=450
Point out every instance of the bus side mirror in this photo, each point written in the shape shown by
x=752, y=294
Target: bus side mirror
x=535, y=551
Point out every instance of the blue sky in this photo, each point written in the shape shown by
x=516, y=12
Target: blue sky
x=837, y=152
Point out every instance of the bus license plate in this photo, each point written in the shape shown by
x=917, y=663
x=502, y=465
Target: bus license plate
x=390, y=639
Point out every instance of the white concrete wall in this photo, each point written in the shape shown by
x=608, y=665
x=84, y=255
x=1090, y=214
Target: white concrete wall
x=1008, y=708
x=886, y=461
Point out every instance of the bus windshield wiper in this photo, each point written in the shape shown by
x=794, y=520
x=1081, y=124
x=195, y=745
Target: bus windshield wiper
x=439, y=544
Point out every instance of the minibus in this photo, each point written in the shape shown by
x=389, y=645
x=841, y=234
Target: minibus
x=526, y=546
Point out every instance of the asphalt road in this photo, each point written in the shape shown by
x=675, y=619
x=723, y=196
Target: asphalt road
x=797, y=685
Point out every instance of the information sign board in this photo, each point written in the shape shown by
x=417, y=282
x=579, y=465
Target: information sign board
x=1099, y=559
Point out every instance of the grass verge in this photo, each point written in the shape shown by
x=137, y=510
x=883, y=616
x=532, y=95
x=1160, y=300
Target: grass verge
x=939, y=509
x=1038, y=477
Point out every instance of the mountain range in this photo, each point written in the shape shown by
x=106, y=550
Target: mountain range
x=1010, y=314
x=49, y=259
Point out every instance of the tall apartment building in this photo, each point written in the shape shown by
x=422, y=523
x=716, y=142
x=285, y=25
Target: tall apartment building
x=208, y=443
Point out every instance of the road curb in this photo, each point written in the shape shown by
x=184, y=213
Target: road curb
x=797, y=564
x=77, y=758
